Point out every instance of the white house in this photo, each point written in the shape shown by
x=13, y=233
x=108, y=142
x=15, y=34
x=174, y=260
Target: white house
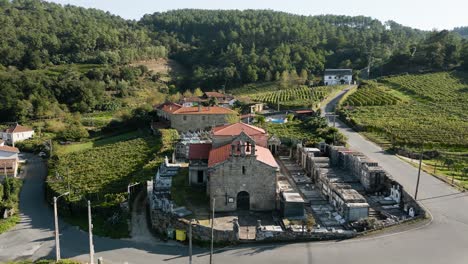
x=16, y=133
x=337, y=76
x=8, y=161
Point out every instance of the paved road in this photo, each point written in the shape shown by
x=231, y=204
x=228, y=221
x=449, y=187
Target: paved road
x=444, y=240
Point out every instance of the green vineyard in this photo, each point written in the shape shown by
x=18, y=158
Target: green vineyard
x=371, y=96
x=436, y=113
x=295, y=97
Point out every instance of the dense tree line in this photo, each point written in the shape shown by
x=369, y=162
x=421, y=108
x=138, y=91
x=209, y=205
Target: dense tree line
x=43, y=94
x=36, y=33
x=463, y=31
x=237, y=47
x=249, y=46
x=218, y=47
x=440, y=50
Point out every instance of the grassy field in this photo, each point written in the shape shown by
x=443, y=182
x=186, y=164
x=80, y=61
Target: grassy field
x=97, y=142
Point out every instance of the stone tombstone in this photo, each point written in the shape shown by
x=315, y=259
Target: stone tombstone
x=236, y=228
x=411, y=212
x=5, y=214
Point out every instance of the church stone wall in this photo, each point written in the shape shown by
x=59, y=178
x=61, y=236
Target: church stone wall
x=227, y=180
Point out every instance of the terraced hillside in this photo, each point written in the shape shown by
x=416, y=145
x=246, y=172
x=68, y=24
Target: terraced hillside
x=301, y=96
x=436, y=113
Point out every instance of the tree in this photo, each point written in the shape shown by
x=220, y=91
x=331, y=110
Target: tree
x=284, y=81
x=251, y=74
x=260, y=119
x=303, y=76
x=233, y=118
x=198, y=92
x=268, y=76
x=74, y=132
x=187, y=94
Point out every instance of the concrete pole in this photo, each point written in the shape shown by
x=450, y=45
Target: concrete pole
x=190, y=241
x=57, y=239
x=91, y=245
x=419, y=176
x=212, y=232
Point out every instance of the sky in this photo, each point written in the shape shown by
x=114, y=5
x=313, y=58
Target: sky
x=421, y=14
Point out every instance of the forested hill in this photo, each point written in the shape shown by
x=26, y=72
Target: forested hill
x=35, y=33
x=259, y=45
x=463, y=31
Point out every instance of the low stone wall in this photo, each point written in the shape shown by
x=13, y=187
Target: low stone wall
x=161, y=222
x=289, y=236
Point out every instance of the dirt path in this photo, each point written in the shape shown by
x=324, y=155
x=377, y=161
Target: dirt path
x=140, y=232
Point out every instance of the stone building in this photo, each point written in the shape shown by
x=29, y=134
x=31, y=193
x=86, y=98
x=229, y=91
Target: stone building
x=237, y=168
x=242, y=175
x=200, y=117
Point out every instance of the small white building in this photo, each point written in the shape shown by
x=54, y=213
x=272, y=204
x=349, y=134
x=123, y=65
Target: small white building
x=17, y=133
x=8, y=161
x=337, y=76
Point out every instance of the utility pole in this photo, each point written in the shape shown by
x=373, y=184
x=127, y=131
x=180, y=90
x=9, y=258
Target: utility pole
x=419, y=175
x=190, y=240
x=57, y=239
x=212, y=232
x=91, y=245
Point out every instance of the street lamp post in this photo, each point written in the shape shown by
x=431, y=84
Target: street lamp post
x=190, y=240
x=57, y=239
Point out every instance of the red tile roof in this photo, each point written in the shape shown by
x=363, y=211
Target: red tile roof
x=18, y=129
x=169, y=107
x=9, y=149
x=221, y=154
x=212, y=110
x=236, y=129
x=199, y=151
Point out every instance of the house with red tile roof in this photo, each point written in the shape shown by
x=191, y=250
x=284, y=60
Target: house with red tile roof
x=8, y=161
x=200, y=117
x=166, y=110
x=17, y=133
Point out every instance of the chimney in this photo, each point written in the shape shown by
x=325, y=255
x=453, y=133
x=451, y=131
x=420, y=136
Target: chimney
x=199, y=107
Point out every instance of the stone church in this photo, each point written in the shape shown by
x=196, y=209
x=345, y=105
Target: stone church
x=241, y=172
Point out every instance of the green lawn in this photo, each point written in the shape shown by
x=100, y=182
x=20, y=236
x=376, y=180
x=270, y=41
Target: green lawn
x=9, y=223
x=97, y=142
